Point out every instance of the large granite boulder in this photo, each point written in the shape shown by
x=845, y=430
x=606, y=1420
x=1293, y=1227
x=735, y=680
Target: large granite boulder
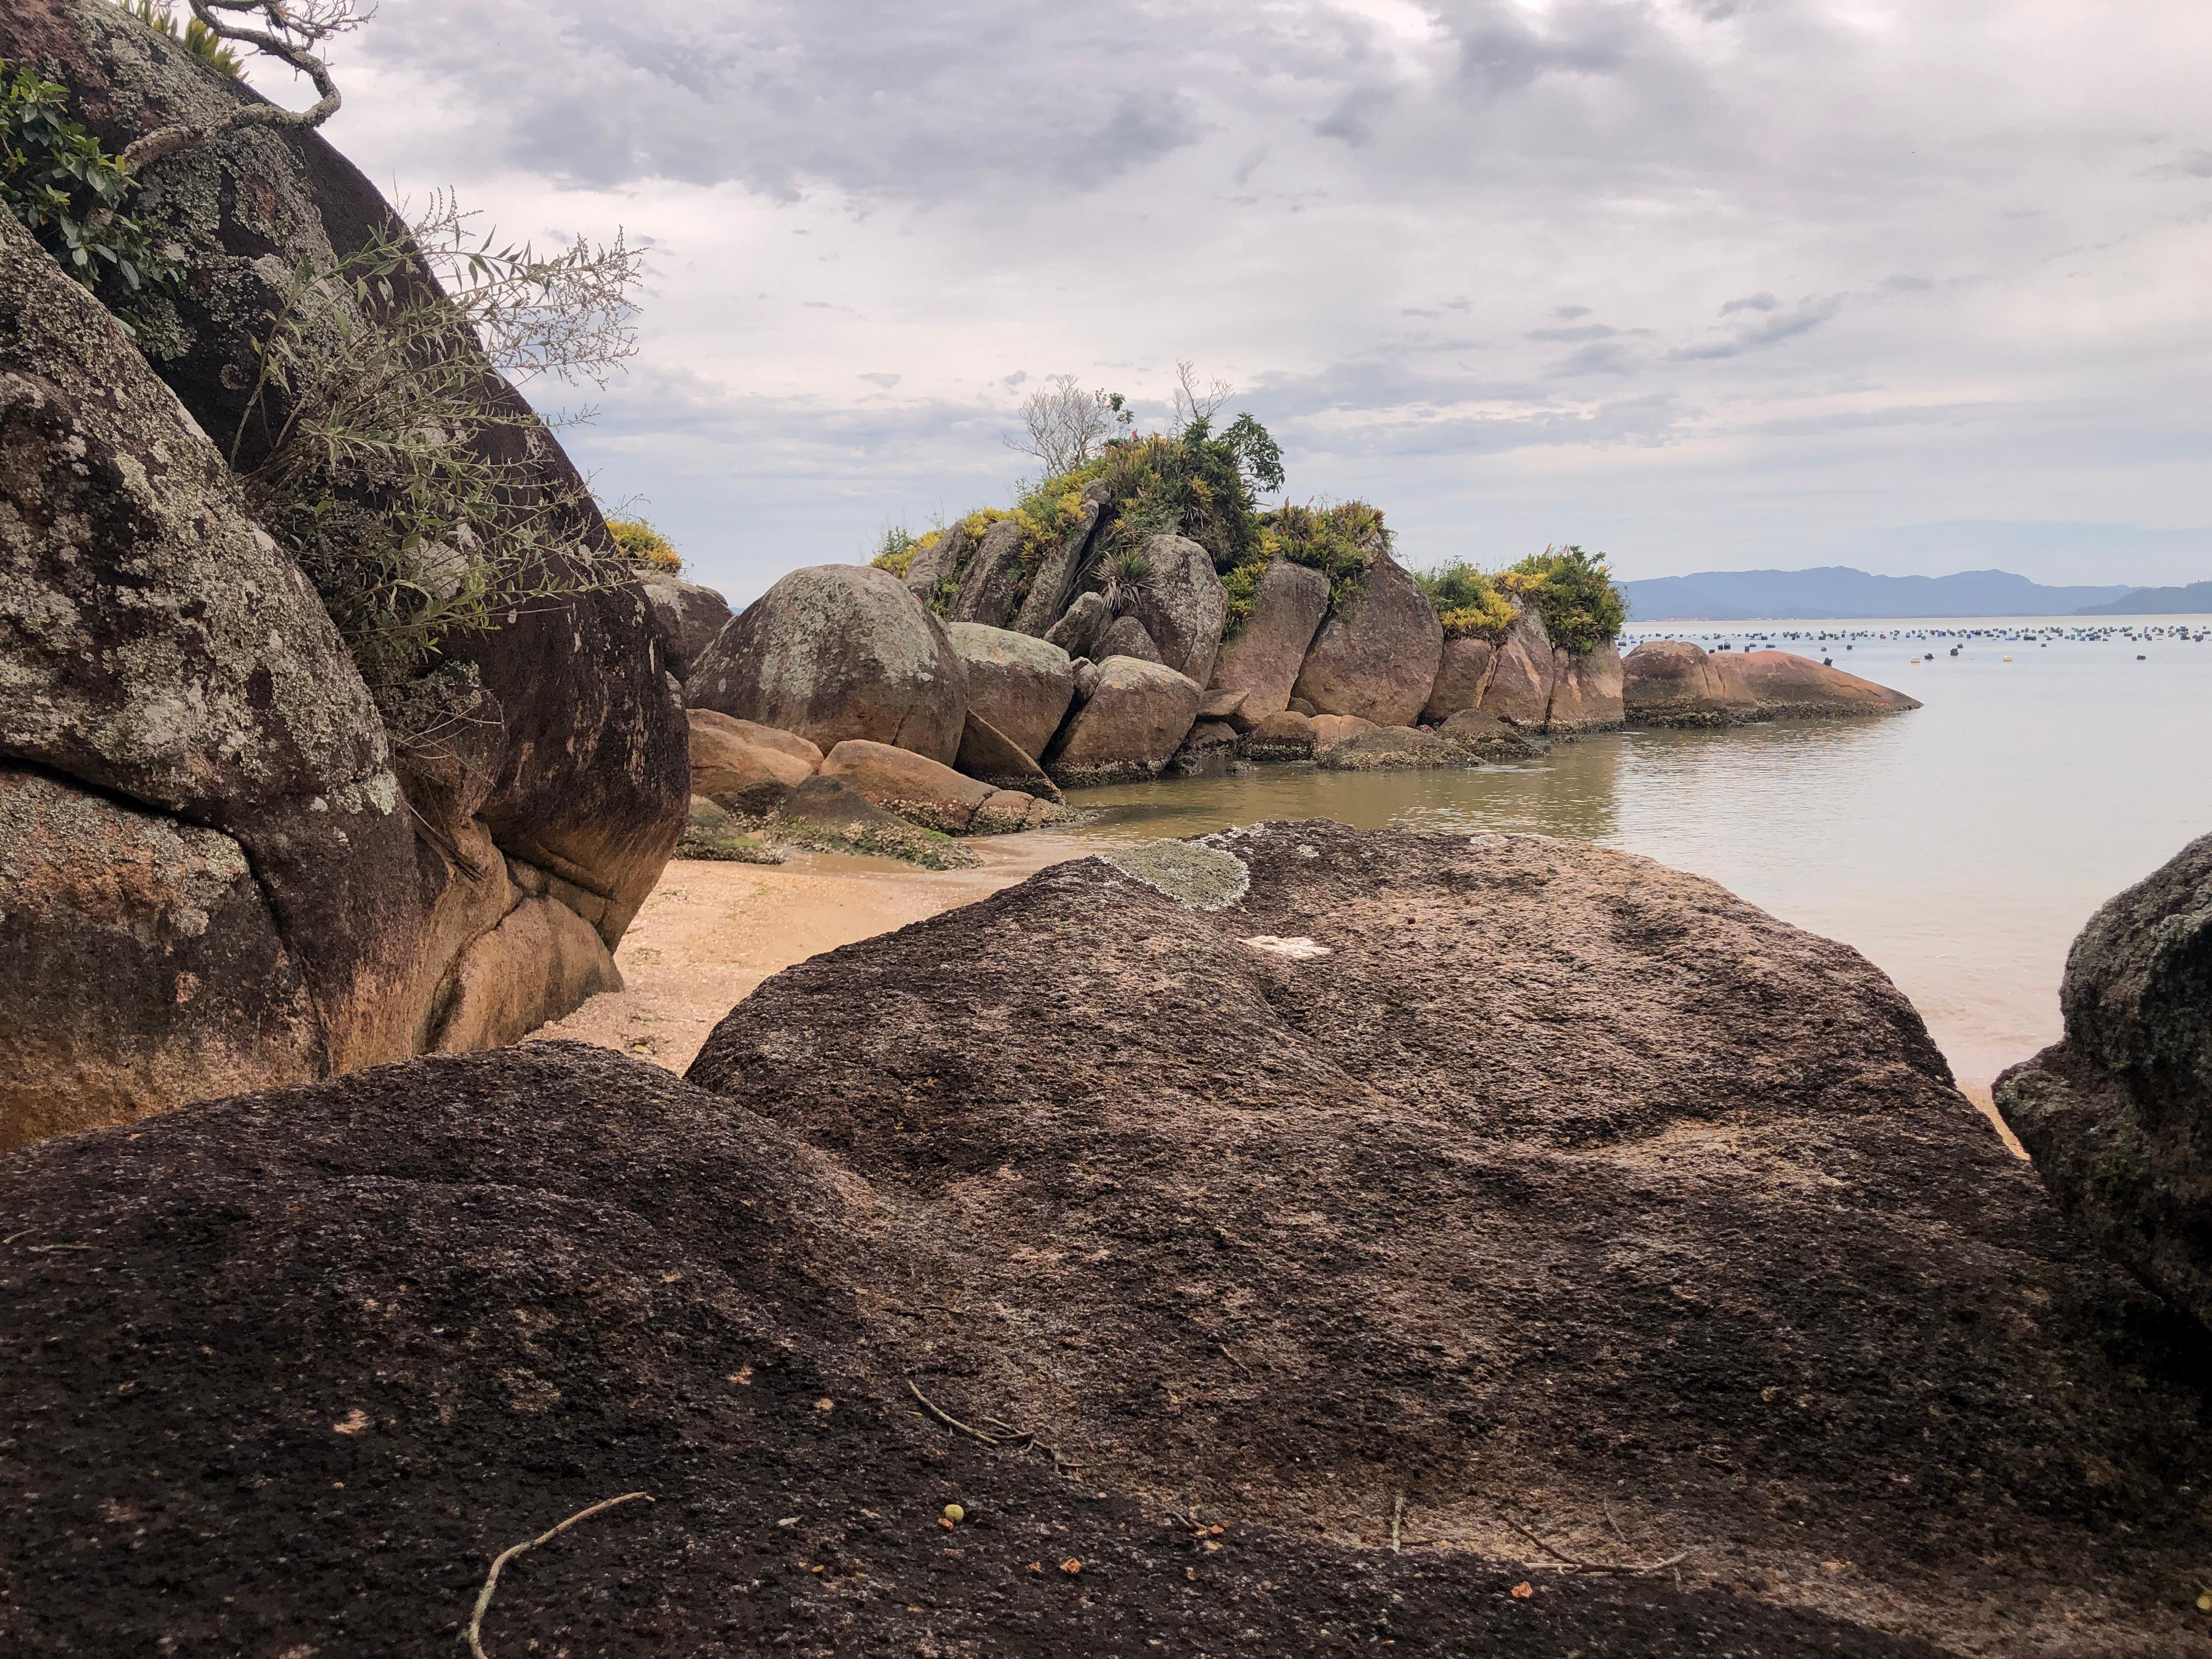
x=1182, y=605
x=1675, y=683
x=1522, y=674
x=1586, y=690
x=1019, y=684
x=991, y=584
x=2117, y=1116
x=1136, y=718
x=1463, y=675
x=839, y=651
x=919, y=789
x=584, y=752
x=424, y=1314
x=157, y=649
x=1284, y=735
x=1263, y=657
x=1555, y=1191
x=1080, y=628
x=1125, y=636
x=1377, y=657
x=989, y=755
x=686, y=617
x=936, y=559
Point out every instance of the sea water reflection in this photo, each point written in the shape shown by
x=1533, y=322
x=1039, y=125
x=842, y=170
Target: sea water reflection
x=1960, y=847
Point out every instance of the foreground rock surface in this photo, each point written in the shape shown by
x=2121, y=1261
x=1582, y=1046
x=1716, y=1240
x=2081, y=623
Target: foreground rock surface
x=2118, y=1116
x=838, y=651
x=1561, y=1184
x=425, y=1313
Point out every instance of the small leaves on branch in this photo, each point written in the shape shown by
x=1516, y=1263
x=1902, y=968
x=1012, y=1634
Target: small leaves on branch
x=293, y=32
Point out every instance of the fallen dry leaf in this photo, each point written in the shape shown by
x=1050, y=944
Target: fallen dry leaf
x=1524, y=1591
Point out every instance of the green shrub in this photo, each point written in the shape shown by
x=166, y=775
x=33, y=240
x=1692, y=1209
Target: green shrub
x=897, y=552
x=645, y=547
x=69, y=192
x=1339, y=539
x=1467, y=602
x=1573, y=591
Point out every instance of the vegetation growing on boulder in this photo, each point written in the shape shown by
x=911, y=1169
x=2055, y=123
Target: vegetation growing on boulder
x=1338, y=538
x=1467, y=601
x=1574, y=592
x=194, y=36
x=69, y=192
x=637, y=541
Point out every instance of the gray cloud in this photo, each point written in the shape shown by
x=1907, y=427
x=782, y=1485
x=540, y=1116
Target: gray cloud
x=1801, y=319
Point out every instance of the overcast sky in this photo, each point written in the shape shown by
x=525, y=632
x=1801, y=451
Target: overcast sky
x=1918, y=285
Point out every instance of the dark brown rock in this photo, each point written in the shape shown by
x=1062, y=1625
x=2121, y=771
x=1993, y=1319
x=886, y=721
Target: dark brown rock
x=686, y=617
x=938, y=557
x=2118, y=1116
x=1377, y=657
x=1209, y=751
x=1020, y=684
x=590, y=779
x=1077, y=632
x=840, y=651
x=1263, y=657
x=1284, y=736
x=1561, y=1174
x=1388, y=749
x=1487, y=737
x=423, y=1313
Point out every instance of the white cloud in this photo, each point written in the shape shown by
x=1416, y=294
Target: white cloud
x=1702, y=283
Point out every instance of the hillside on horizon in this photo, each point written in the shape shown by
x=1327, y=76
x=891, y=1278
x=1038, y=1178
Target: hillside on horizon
x=1838, y=591
x=2195, y=600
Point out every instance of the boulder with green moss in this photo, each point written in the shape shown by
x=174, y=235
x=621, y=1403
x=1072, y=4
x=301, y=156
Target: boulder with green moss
x=1522, y=674
x=714, y=832
x=828, y=815
x=1180, y=601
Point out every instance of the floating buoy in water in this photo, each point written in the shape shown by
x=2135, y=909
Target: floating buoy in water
x=2008, y=659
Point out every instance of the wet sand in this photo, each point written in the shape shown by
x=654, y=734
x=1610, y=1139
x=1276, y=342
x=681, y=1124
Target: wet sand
x=711, y=932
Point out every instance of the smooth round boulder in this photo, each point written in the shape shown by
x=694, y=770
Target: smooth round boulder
x=745, y=766
x=1377, y=657
x=684, y=617
x=1263, y=657
x=1182, y=605
x=1019, y=684
x=1125, y=636
x=920, y=790
x=838, y=652
x=1783, y=685
x=1136, y=718
x=1675, y=683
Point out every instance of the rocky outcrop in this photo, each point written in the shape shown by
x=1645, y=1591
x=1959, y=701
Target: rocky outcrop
x=1182, y=605
x=988, y=754
x=686, y=617
x=1136, y=718
x=1463, y=675
x=991, y=584
x=1377, y=657
x=1487, y=738
x=1079, y=631
x=1523, y=1164
x=1387, y=748
x=1283, y=736
x=713, y=832
x=1263, y=657
x=828, y=814
x=1053, y=584
x=1125, y=636
x=1019, y=686
x=1675, y=683
x=2117, y=1116
x=938, y=557
x=835, y=651
x=541, y=954
x=1522, y=674
x=450, y=1266
x=744, y=766
x=1586, y=690
x=1209, y=751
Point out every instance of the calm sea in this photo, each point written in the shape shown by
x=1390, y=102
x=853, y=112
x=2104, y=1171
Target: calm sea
x=1960, y=847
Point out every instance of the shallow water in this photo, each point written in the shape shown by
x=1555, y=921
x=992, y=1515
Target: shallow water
x=1960, y=847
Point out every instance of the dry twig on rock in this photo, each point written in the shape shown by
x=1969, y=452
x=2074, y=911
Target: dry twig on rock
x=474, y=1634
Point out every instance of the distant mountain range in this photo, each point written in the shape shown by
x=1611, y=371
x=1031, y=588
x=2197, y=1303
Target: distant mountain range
x=1838, y=591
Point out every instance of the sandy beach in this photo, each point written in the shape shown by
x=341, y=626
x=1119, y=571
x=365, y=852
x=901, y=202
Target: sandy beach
x=710, y=931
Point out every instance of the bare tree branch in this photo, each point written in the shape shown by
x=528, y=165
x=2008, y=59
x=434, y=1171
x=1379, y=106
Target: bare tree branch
x=295, y=32
x=1065, y=425
x=1194, y=403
